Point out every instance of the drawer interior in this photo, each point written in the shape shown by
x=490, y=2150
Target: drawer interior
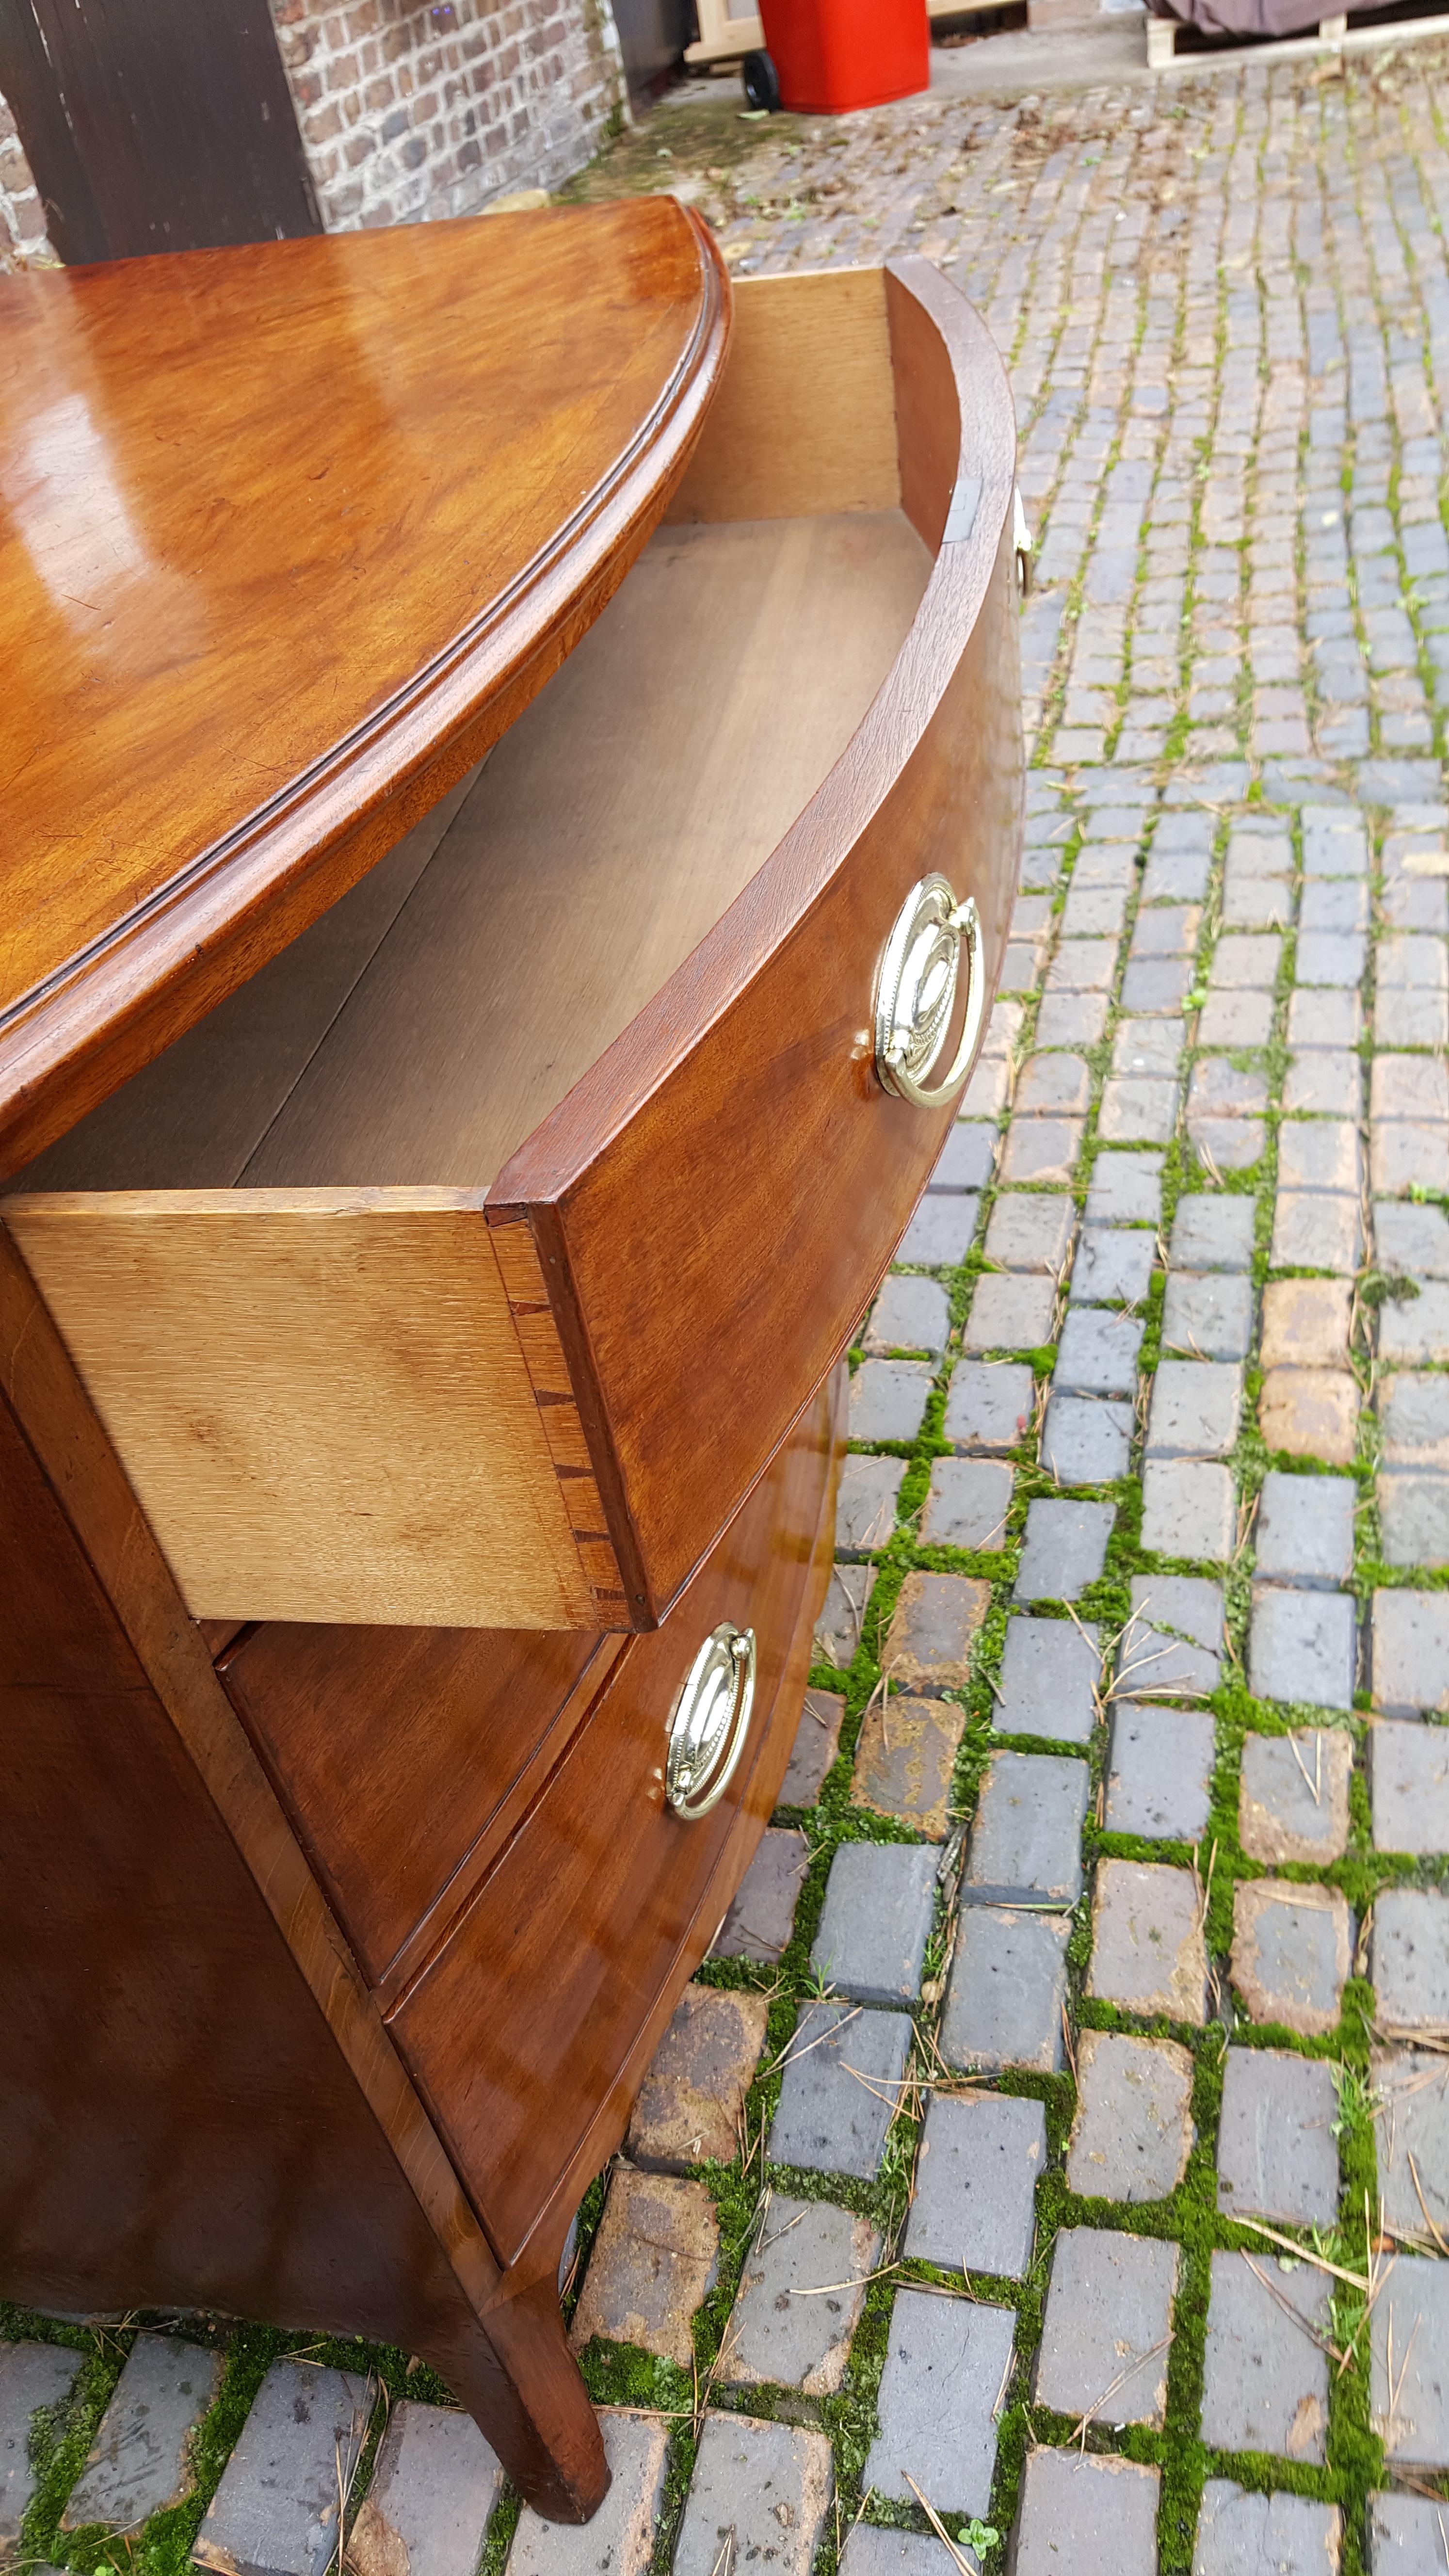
x=421, y=1029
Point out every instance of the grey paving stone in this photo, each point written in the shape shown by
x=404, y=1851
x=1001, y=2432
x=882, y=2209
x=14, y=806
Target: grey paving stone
x=1071, y=1019
x=1008, y=1991
x=1152, y=984
x=800, y=2298
x=760, y=2493
x=1319, y=1154
x=1334, y=842
x=1324, y=1019
x=1293, y=1800
x=1148, y=1953
x=1315, y=1230
x=910, y=1314
x=817, y=1742
x=974, y=2204
x=1414, y=1518
x=1412, y=1240
x=1411, y=2135
x=842, y=2082
x=1240, y=2533
x=1265, y=2380
x=989, y=1405
x=1303, y=1646
x=866, y=1511
x=1189, y=1508
x=939, y=1234
x=1411, y=1653
x=1086, y=1440
x=1125, y=1189
x=1405, y=2538
x=1246, y=961
x=620, y=2539
x=1159, y=1777
x=1236, y=1019
x=1054, y=1086
x=1113, y=1266
x=691, y=2101
x=1097, y=1353
x=880, y=1901
x=1208, y=1314
x=1104, y=2336
x=1416, y=1330
x=1094, y=2514
x=139, y=2460
x=652, y=2265
x=1010, y=1311
x=32, y=2375
x=1219, y=1089
x=838, y=1628
x=871, y=2550
x=1409, y=1783
x=966, y=1159
x=762, y=1915
x=1133, y=2131
x=1049, y=1677
x=1030, y=1230
x=1409, y=2337
x=888, y=1398
x=967, y=1504
x=1139, y=1112
x=1277, y=2154
x=1065, y=1550
x=275, y=2511
x=1325, y=1082
x=1410, y=1961
x=1212, y=1233
x=1026, y=1839
x=1292, y=1946
x=434, y=2487
x=1414, y=1421
x=1172, y=1644
x=945, y=2361
x=1304, y=1530
x=1196, y=1409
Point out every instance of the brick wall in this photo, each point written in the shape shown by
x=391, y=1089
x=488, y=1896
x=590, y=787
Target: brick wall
x=412, y=109
x=22, y=217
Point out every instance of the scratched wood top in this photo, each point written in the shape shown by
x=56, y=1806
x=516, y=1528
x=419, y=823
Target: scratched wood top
x=288, y=535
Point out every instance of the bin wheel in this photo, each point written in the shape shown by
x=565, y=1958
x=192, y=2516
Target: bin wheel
x=761, y=82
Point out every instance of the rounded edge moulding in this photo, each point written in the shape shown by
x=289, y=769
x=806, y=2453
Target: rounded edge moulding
x=289, y=536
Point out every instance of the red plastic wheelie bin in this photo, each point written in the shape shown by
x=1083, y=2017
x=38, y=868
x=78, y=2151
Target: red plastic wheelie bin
x=825, y=56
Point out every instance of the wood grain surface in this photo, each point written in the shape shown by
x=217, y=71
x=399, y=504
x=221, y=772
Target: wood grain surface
x=734, y=1143
x=805, y=420
x=166, y=1956
x=602, y=1852
x=288, y=535
x=321, y=1400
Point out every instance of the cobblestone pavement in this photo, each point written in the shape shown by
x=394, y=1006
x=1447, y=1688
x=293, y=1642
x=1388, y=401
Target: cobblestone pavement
x=1054, y=2154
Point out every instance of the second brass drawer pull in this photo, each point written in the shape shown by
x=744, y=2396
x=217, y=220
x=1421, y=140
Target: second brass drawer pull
x=710, y=1722
x=916, y=992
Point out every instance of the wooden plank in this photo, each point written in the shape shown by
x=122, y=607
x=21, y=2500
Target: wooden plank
x=319, y=1398
x=804, y=420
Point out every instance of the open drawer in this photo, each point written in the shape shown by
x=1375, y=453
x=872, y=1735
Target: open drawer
x=468, y=1266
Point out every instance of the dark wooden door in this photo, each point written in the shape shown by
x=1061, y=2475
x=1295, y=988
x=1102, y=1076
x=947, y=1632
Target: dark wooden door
x=155, y=125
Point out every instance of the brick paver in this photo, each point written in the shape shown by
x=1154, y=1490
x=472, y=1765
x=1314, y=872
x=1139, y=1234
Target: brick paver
x=1139, y=1630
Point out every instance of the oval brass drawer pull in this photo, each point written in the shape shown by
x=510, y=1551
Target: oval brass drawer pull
x=710, y=1722
x=916, y=992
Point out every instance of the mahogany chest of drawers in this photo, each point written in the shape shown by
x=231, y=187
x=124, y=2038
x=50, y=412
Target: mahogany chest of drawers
x=509, y=849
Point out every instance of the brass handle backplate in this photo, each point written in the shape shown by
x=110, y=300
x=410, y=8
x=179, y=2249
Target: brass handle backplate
x=915, y=994
x=710, y=1722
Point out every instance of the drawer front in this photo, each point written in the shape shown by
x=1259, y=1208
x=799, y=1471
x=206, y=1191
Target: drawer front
x=403, y=1754
x=528, y=2023
x=754, y=1176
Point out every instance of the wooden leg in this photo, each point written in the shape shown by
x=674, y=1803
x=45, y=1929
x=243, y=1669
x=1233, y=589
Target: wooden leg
x=1161, y=42
x=518, y=2380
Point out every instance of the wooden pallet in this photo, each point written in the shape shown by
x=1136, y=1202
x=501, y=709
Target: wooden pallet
x=1332, y=35
x=726, y=33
